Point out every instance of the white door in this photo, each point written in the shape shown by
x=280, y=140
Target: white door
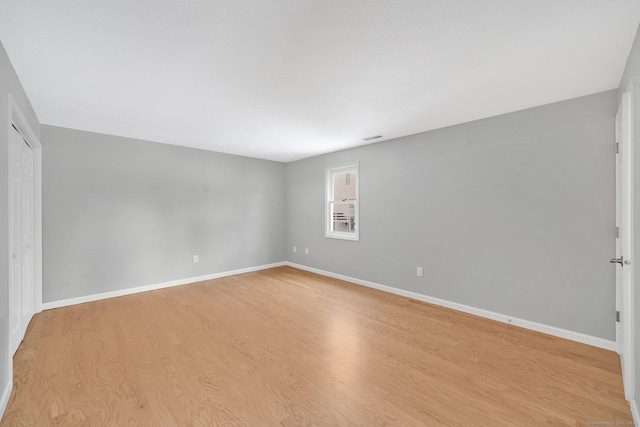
x=28, y=241
x=624, y=248
x=21, y=284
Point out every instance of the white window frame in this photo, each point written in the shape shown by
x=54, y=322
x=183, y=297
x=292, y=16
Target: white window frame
x=328, y=203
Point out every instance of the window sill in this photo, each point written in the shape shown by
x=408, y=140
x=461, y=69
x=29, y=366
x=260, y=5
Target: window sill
x=343, y=236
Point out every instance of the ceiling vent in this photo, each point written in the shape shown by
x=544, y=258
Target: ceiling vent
x=371, y=138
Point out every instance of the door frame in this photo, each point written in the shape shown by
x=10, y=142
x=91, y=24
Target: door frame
x=625, y=300
x=16, y=117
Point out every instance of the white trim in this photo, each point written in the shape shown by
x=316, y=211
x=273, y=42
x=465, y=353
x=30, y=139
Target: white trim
x=628, y=316
x=37, y=211
x=527, y=324
x=153, y=287
x=4, y=399
x=635, y=413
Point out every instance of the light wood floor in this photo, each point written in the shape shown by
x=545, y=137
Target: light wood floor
x=285, y=347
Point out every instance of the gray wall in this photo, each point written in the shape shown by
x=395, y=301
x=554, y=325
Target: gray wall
x=631, y=80
x=513, y=214
x=120, y=213
x=9, y=84
x=632, y=69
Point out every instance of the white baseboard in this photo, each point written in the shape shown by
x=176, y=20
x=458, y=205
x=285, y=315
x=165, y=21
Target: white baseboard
x=635, y=413
x=527, y=324
x=4, y=398
x=129, y=291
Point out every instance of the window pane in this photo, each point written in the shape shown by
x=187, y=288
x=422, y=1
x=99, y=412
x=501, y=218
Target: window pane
x=344, y=185
x=343, y=217
x=342, y=208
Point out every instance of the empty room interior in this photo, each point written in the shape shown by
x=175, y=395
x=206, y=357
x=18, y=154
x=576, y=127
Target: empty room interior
x=319, y=213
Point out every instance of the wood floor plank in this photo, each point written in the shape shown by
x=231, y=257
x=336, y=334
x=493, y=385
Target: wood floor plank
x=285, y=347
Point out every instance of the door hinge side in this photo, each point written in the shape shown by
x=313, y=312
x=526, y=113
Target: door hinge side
x=617, y=147
x=617, y=316
x=617, y=232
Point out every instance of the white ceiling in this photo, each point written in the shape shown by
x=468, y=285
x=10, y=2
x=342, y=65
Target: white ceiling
x=288, y=79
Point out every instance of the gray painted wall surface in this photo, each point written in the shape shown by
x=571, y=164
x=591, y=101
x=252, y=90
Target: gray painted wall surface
x=632, y=69
x=513, y=214
x=631, y=80
x=121, y=213
x=9, y=84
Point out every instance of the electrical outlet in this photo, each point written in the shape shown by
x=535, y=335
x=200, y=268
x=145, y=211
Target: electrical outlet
x=196, y=258
x=419, y=272
x=306, y=251
x=295, y=249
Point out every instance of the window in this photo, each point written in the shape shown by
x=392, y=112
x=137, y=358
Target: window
x=342, y=208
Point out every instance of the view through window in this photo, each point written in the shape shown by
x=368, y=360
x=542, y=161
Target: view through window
x=342, y=202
